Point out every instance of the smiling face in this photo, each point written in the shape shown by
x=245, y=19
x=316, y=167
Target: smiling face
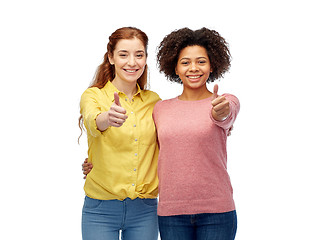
x=193, y=67
x=129, y=60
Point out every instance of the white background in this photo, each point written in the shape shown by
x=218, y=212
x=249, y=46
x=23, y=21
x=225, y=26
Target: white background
x=49, y=52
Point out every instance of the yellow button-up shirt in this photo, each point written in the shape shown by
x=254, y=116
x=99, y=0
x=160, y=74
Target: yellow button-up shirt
x=124, y=159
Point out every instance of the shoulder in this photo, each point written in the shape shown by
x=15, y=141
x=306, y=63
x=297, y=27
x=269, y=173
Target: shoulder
x=164, y=104
x=91, y=91
x=92, y=94
x=150, y=95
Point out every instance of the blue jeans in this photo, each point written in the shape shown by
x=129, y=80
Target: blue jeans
x=206, y=226
x=105, y=219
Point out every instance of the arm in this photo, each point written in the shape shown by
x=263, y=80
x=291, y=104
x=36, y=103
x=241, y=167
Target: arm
x=115, y=116
x=95, y=119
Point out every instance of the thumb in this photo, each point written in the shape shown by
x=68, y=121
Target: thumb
x=117, y=99
x=215, y=95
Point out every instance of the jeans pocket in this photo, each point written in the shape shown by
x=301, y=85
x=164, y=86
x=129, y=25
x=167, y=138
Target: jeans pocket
x=152, y=202
x=92, y=203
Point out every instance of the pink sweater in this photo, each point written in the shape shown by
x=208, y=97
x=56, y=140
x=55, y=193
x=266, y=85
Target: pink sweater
x=192, y=165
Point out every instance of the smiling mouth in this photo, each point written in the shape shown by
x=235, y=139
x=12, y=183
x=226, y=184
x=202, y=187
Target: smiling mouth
x=131, y=70
x=194, y=77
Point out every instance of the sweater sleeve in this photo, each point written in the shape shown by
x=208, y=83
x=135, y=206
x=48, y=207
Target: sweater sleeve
x=234, y=110
x=155, y=111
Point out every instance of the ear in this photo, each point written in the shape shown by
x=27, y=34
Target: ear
x=111, y=59
x=175, y=69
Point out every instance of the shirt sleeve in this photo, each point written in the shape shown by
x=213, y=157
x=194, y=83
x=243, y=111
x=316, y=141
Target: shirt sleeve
x=90, y=109
x=234, y=110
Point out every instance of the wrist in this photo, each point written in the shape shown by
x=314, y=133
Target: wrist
x=102, y=122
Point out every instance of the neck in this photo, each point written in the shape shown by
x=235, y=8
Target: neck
x=193, y=94
x=128, y=88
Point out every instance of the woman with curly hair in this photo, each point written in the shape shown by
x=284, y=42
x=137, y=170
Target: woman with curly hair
x=195, y=193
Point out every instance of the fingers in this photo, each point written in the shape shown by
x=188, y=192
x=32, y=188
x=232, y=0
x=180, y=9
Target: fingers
x=117, y=99
x=215, y=94
x=220, y=103
x=117, y=109
x=220, y=107
x=116, y=114
x=86, y=167
x=222, y=114
x=87, y=170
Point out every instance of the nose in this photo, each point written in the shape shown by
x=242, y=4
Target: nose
x=131, y=61
x=193, y=67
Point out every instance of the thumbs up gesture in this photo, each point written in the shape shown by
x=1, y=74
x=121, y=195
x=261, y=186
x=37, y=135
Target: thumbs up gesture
x=116, y=116
x=220, y=106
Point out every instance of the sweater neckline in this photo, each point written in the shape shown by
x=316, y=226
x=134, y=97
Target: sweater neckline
x=194, y=101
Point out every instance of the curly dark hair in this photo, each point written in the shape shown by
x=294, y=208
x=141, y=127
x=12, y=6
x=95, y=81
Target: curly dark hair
x=215, y=45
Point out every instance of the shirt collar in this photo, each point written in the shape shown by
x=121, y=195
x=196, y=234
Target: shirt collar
x=110, y=89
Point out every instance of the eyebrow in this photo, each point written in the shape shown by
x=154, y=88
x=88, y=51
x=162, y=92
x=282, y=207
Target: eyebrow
x=128, y=51
x=190, y=58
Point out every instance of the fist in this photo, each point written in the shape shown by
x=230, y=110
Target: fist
x=220, y=106
x=116, y=116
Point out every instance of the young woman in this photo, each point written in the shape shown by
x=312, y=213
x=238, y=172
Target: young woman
x=122, y=187
x=195, y=193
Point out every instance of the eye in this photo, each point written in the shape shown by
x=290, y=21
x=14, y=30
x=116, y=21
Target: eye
x=185, y=63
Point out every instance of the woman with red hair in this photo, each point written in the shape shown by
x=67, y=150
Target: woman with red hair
x=122, y=187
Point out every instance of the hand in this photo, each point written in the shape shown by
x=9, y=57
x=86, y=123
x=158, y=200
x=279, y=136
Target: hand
x=115, y=116
x=86, y=167
x=220, y=106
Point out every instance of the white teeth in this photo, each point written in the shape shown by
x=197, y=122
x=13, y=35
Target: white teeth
x=193, y=77
x=130, y=71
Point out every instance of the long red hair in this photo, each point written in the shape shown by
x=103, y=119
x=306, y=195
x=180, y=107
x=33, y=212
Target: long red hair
x=106, y=71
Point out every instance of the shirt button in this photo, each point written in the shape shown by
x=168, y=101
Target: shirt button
x=131, y=112
x=134, y=169
x=136, y=139
x=134, y=125
x=132, y=100
x=133, y=184
x=125, y=99
x=135, y=154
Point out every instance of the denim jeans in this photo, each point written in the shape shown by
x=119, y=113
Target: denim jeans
x=206, y=226
x=105, y=219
